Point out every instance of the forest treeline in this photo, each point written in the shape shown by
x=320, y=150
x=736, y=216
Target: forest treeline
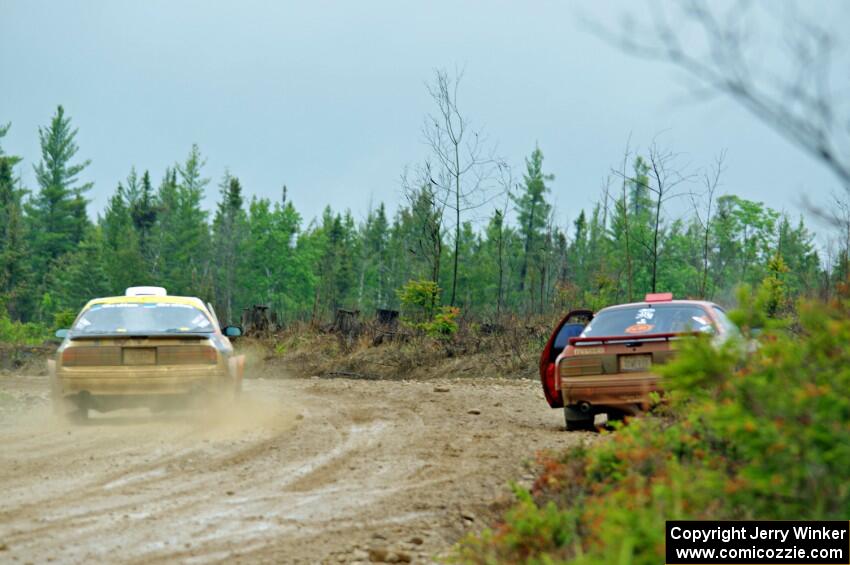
x=518, y=259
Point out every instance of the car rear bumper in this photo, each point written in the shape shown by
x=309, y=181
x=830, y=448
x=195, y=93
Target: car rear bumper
x=148, y=381
x=623, y=390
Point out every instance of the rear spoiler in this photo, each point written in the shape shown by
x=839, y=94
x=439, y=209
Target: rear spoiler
x=631, y=339
x=196, y=335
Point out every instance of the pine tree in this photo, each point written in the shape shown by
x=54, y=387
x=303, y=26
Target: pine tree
x=493, y=264
x=181, y=255
x=796, y=248
x=143, y=210
x=418, y=237
x=229, y=230
x=279, y=265
x=4, y=129
x=14, y=255
x=77, y=277
x=57, y=214
x=125, y=264
x=532, y=215
x=578, y=252
x=374, y=290
x=335, y=268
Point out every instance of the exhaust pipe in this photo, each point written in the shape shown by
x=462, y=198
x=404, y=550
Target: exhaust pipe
x=584, y=407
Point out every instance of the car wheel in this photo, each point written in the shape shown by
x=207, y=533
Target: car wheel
x=80, y=415
x=577, y=421
x=580, y=426
x=67, y=410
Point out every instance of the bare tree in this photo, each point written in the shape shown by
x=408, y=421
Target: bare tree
x=506, y=181
x=666, y=182
x=466, y=160
x=606, y=198
x=666, y=186
x=704, y=205
x=723, y=47
x=624, y=202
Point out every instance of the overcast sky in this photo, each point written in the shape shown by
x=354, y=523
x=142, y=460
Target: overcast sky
x=329, y=97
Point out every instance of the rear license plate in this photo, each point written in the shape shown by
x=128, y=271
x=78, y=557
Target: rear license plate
x=635, y=362
x=140, y=355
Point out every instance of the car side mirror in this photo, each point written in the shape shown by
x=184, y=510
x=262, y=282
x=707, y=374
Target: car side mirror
x=232, y=331
x=61, y=334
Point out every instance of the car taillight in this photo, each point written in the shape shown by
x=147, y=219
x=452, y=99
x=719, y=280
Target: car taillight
x=91, y=356
x=552, y=394
x=578, y=366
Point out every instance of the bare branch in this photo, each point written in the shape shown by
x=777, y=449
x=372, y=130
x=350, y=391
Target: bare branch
x=467, y=164
x=721, y=50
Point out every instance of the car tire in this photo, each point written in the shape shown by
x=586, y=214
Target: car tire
x=580, y=426
x=577, y=421
x=79, y=416
x=66, y=410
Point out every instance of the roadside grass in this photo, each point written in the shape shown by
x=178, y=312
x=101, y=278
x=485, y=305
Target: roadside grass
x=509, y=349
x=749, y=433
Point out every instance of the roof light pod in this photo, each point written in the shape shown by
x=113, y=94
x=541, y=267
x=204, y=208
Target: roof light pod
x=145, y=291
x=659, y=297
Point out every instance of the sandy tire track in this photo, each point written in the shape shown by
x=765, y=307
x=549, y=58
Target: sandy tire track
x=300, y=471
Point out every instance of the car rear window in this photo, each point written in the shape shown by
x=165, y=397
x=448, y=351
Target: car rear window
x=566, y=332
x=136, y=318
x=649, y=319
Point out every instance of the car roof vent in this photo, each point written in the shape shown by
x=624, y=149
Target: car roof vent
x=659, y=297
x=145, y=291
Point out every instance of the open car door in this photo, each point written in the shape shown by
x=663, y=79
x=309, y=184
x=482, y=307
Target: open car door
x=570, y=326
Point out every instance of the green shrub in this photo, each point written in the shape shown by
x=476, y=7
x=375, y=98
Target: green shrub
x=444, y=323
x=754, y=430
x=20, y=333
x=419, y=300
x=532, y=533
x=64, y=319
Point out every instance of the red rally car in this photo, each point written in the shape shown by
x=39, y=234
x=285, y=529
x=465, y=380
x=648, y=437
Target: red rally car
x=606, y=365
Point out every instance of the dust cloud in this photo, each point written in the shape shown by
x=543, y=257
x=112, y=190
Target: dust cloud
x=312, y=470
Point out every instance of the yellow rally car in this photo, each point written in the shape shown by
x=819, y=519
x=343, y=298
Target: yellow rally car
x=143, y=349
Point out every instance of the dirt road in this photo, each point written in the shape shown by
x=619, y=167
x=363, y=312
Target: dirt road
x=302, y=470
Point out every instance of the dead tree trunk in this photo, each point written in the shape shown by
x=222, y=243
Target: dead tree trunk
x=346, y=326
x=257, y=321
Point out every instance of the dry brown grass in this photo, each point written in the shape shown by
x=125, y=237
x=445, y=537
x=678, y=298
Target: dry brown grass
x=509, y=348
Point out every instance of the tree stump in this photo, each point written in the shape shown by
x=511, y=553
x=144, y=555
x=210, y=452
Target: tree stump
x=386, y=317
x=386, y=326
x=257, y=321
x=346, y=326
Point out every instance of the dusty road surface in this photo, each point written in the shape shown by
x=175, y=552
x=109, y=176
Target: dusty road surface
x=301, y=470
